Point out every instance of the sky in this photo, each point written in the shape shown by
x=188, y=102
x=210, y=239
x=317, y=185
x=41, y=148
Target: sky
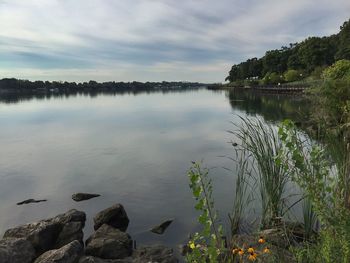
x=152, y=40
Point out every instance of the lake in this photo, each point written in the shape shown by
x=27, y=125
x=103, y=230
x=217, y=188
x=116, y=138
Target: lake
x=133, y=149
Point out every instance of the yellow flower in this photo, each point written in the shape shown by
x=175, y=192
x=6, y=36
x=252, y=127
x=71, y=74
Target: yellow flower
x=235, y=251
x=250, y=250
x=252, y=256
x=241, y=252
x=266, y=250
x=261, y=240
x=192, y=245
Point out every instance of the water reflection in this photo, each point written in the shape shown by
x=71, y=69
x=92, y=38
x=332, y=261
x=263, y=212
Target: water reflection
x=273, y=107
x=130, y=149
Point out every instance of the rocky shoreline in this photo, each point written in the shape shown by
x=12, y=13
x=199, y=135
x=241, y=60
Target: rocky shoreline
x=61, y=240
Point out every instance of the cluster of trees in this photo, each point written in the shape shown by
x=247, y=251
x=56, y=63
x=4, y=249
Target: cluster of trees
x=296, y=61
x=18, y=85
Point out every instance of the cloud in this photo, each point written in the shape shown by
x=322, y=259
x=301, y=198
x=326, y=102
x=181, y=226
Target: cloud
x=152, y=39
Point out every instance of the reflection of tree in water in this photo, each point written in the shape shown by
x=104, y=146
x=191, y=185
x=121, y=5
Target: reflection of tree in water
x=273, y=107
x=18, y=96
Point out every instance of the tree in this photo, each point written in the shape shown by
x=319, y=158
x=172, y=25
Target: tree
x=344, y=42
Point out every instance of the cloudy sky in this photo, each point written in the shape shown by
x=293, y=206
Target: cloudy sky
x=123, y=40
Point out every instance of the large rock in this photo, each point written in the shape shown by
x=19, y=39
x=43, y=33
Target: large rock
x=16, y=250
x=71, y=231
x=109, y=243
x=158, y=253
x=114, y=216
x=70, y=253
x=51, y=233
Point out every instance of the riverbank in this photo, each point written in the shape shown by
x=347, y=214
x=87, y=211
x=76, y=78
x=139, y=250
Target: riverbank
x=61, y=240
x=274, y=89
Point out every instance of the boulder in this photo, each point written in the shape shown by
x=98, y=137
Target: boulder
x=109, y=243
x=51, y=233
x=71, y=231
x=83, y=196
x=158, y=253
x=16, y=250
x=160, y=229
x=70, y=253
x=114, y=216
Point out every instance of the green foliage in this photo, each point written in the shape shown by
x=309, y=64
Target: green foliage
x=292, y=75
x=309, y=219
x=207, y=245
x=340, y=70
x=331, y=99
x=312, y=53
x=316, y=74
x=324, y=186
x=344, y=42
x=273, y=78
x=242, y=197
x=262, y=142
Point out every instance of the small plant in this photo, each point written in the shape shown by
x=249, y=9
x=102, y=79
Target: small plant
x=323, y=183
x=259, y=251
x=207, y=245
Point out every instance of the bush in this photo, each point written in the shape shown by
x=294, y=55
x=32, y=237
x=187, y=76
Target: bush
x=340, y=70
x=273, y=78
x=292, y=75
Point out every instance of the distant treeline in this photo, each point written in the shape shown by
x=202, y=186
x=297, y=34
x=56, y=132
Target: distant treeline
x=26, y=86
x=295, y=62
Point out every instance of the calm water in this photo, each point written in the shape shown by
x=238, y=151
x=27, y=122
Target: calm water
x=131, y=149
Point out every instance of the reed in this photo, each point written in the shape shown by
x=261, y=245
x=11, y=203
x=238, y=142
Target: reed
x=262, y=141
x=241, y=195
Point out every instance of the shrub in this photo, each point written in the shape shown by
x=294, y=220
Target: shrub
x=292, y=75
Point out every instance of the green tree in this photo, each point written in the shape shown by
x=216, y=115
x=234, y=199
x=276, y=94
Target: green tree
x=344, y=42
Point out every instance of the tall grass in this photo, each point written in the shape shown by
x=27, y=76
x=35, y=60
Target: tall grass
x=262, y=141
x=309, y=219
x=241, y=196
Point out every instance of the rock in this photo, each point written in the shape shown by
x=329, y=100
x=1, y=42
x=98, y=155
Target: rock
x=71, y=231
x=83, y=196
x=69, y=253
x=90, y=259
x=114, y=216
x=51, y=233
x=159, y=254
x=16, y=250
x=109, y=243
x=159, y=229
x=28, y=201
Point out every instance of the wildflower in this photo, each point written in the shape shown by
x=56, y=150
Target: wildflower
x=235, y=251
x=261, y=240
x=252, y=256
x=240, y=252
x=250, y=250
x=192, y=245
x=266, y=250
